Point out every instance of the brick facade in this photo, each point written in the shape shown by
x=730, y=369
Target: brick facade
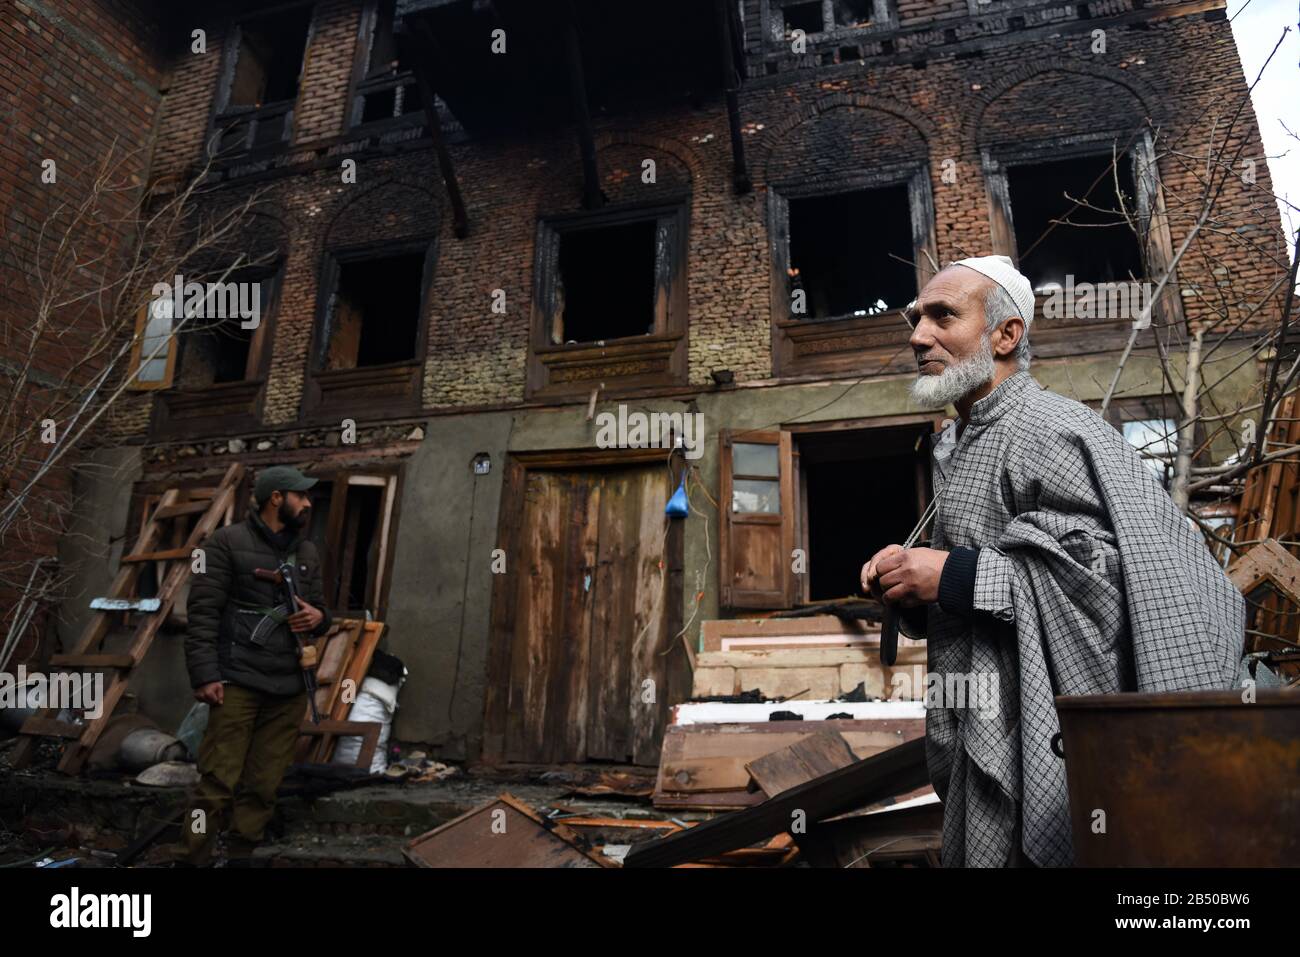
x=937, y=87
x=807, y=120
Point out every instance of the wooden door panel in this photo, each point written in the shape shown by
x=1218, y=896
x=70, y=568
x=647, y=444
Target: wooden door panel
x=565, y=737
x=536, y=598
x=591, y=609
x=608, y=731
x=649, y=622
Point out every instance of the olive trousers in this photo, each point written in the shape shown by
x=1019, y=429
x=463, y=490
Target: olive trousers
x=246, y=749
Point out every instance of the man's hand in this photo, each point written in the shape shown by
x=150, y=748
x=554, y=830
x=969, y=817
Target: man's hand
x=909, y=578
x=871, y=570
x=212, y=693
x=306, y=618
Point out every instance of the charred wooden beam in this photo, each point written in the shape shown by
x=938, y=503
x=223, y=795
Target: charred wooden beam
x=592, y=198
x=883, y=775
x=731, y=84
x=423, y=36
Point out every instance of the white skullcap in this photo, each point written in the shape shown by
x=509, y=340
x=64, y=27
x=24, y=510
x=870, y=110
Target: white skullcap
x=1003, y=272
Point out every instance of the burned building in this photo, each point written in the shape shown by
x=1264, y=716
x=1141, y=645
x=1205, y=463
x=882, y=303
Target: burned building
x=484, y=227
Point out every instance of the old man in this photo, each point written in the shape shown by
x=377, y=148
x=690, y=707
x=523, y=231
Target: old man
x=1057, y=564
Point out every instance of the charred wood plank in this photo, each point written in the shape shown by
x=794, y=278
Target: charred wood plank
x=880, y=776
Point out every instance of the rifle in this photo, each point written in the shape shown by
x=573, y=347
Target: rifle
x=283, y=578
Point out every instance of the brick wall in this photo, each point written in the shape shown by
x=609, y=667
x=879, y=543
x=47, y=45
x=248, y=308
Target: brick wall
x=80, y=85
x=933, y=108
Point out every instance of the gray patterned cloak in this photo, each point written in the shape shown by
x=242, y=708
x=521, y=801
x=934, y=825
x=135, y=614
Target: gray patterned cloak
x=1089, y=581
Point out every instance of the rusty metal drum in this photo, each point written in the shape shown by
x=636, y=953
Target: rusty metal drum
x=1183, y=779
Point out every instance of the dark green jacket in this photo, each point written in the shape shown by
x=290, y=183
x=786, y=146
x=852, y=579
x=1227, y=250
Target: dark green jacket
x=217, y=646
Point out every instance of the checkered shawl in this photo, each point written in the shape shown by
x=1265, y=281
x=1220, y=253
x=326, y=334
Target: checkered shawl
x=1093, y=583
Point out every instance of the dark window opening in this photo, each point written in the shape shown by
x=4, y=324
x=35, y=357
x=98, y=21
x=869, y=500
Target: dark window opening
x=360, y=540
x=213, y=355
x=384, y=57
x=841, y=535
x=853, y=13
x=350, y=543
x=606, y=287
x=804, y=16
x=851, y=254
x=388, y=88
x=1096, y=244
x=376, y=312
x=269, y=59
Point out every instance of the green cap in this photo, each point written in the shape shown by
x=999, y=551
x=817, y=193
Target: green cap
x=280, y=478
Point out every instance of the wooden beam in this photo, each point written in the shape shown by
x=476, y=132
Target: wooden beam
x=425, y=39
x=592, y=198
x=731, y=85
x=883, y=775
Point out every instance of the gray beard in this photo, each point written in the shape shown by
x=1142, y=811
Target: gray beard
x=956, y=381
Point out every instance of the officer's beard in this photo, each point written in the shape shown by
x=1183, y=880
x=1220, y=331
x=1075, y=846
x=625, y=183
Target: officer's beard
x=296, y=522
x=956, y=381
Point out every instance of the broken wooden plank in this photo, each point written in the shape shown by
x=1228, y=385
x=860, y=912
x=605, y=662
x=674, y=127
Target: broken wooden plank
x=798, y=657
x=1268, y=562
x=808, y=758
x=504, y=832
x=883, y=775
x=703, y=766
x=816, y=631
x=164, y=555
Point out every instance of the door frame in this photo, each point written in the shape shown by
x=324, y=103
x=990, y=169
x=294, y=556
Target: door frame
x=919, y=420
x=501, y=631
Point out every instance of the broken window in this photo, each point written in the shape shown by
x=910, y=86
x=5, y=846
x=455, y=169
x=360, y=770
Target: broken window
x=606, y=285
x=851, y=254
x=352, y=525
x=853, y=13
x=269, y=58
x=387, y=88
x=1068, y=222
x=218, y=350
x=815, y=17
x=609, y=276
x=803, y=16
x=262, y=84
x=374, y=312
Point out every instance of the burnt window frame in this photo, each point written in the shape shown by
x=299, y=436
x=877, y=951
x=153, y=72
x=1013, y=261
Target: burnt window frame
x=365, y=82
x=772, y=16
x=391, y=479
x=841, y=344
x=996, y=159
x=222, y=113
x=224, y=407
x=362, y=388
x=627, y=362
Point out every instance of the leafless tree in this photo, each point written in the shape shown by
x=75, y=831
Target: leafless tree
x=67, y=336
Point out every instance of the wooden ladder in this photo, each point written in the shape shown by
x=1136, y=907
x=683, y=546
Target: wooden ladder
x=212, y=505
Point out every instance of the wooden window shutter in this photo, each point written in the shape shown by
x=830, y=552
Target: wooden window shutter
x=758, y=519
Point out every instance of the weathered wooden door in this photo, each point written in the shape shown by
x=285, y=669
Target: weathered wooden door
x=582, y=667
